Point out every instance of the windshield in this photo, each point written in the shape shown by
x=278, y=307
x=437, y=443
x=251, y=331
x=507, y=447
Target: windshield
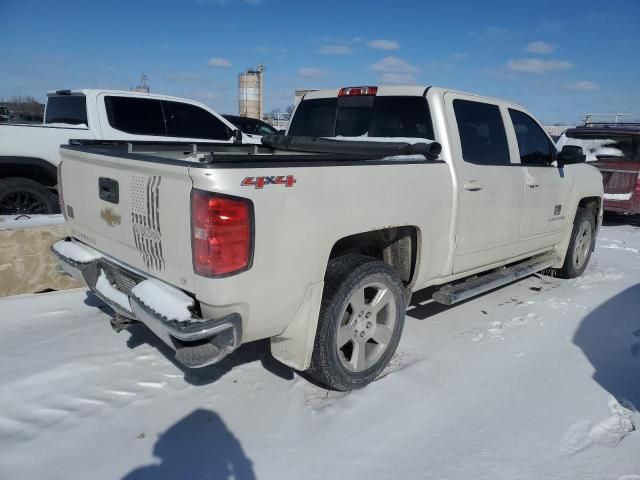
x=70, y=109
x=363, y=116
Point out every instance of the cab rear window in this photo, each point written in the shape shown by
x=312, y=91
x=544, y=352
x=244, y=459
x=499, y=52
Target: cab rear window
x=396, y=116
x=71, y=109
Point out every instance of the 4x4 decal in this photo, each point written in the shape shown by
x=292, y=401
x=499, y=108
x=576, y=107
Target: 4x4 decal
x=260, y=182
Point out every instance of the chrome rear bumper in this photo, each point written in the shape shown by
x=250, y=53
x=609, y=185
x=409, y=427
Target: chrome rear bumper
x=196, y=341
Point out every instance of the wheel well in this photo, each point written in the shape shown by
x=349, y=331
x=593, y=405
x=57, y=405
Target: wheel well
x=396, y=246
x=592, y=204
x=35, y=169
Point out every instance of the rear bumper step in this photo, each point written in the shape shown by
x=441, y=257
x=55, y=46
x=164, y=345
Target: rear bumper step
x=197, y=342
x=471, y=288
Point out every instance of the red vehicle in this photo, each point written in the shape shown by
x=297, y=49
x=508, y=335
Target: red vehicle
x=615, y=150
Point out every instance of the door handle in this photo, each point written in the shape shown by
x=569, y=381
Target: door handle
x=533, y=185
x=472, y=186
x=108, y=190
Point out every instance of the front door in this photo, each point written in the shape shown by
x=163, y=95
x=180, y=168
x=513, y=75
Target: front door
x=490, y=188
x=547, y=191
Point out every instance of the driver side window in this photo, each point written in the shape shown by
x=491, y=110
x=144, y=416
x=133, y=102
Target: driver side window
x=533, y=144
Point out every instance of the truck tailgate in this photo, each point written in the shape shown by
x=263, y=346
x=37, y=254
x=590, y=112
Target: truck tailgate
x=619, y=176
x=137, y=212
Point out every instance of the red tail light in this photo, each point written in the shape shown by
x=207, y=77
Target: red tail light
x=222, y=234
x=354, y=91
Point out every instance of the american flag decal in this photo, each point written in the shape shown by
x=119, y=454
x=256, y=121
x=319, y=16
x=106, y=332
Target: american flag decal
x=145, y=219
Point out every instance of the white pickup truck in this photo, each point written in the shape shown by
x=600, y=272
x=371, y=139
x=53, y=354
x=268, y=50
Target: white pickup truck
x=317, y=243
x=29, y=154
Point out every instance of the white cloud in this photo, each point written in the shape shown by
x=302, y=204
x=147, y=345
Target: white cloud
x=395, y=70
x=499, y=73
x=582, y=86
x=383, y=44
x=311, y=72
x=459, y=56
x=397, y=78
x=394, y=65
x=535, y=65
x=219, y=62
x=540, y=47
x=448, y=63
x=490, y=32
x=335, y=50
x=224, y=3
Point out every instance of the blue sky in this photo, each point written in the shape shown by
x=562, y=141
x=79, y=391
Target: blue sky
x=561, y=59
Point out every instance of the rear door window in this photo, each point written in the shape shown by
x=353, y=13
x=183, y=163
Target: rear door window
x=191, y=121
x=393, y=116
x=533, y=143
x=138, y=116
x=482, y=134
x=71, y=109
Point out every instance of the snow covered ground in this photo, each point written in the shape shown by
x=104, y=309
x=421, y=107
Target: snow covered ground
x=516, y=384
x=14, y=222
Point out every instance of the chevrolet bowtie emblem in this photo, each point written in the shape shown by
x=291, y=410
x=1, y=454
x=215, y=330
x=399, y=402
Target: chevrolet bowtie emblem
x=110, y=216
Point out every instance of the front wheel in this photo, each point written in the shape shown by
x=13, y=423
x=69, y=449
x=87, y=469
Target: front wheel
x=580, y=246
x=360, y=324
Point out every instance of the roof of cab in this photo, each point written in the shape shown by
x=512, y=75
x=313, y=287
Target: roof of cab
x=93, y=92
x=96, y=91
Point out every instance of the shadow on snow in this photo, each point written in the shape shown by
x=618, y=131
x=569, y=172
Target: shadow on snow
x=610, y=339
x=198, y=447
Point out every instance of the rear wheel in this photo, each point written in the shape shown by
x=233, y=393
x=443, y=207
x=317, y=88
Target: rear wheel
x=361, y=321
x=22, y=196
x=580, y=246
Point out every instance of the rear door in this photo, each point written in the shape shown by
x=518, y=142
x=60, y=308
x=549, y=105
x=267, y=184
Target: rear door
x=135, y=211
x=490, y=187
x=130, y=117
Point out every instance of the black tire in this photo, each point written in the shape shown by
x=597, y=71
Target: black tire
x=345, y=276
x=576, y=262
x=22, y=196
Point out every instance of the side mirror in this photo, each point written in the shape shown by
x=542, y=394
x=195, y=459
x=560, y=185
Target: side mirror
x=237, y=136
x=570, y=155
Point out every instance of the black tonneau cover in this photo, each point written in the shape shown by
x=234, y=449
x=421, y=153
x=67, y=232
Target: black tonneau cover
x=276, y=150
x=351, y=147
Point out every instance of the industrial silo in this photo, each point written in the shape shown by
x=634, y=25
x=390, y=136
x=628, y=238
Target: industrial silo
x=251, y=93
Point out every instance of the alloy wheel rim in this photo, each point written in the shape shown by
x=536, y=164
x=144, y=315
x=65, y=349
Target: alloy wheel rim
x=366, y=326
x=583, y=244
x=22, y=203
